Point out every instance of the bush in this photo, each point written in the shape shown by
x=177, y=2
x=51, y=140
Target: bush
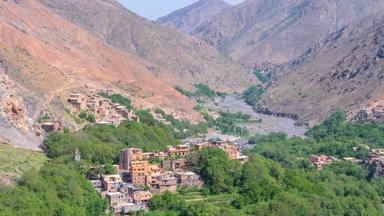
x=253, y=95
x=91, y=118
x=262, y=76
x=119, y=99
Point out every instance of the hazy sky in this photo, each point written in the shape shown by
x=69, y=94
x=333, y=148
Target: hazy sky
x=153, y=9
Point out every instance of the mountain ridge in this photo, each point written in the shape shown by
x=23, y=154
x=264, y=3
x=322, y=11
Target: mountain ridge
x=44, y=58
x=189, y=59
x=260, y=31
x=343, y=72
x=187, y=19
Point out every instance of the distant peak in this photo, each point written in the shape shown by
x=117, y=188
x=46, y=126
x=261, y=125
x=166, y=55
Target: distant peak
x=187, y=19
x=214, y=2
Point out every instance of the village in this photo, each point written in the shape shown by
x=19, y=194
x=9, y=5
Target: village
x=137, y=179
x=141, y=175
x=372, y=112
x=375, y=159
x=104, y=111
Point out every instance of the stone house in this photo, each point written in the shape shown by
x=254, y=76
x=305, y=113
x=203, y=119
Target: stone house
x=189, y=179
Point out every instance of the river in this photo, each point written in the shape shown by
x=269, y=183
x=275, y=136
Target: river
x=269, y=123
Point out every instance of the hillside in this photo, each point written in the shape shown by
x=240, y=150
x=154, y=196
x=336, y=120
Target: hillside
x=44, y=57
x=15, y=162
x=188, y=59
x=274, y=32
x=345, y=71
x=189, y=18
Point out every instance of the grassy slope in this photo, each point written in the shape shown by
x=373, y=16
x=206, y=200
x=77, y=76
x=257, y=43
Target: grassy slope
x=14, y=162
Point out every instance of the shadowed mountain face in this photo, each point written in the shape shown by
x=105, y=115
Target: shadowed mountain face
x=189, y=18
x=189, y=59
x=345, y=71
x=277, y=31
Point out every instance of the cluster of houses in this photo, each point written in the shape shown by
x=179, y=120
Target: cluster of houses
x=105, y=111
x=375, y=159
x=138, y=179
x=375, y=162
x=373, y=113
x=321, y=161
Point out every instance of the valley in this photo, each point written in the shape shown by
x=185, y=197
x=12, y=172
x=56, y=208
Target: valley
x=268, y=124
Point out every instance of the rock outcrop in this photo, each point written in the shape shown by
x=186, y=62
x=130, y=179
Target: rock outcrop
x=14, y=112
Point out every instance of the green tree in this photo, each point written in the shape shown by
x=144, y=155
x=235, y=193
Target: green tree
x=220, y=174
x=91, y=118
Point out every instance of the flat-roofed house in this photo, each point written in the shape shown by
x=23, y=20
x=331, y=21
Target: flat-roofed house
x=111, y=183
x=179, y=150
x=321, y=161
x=128, y=208
x=140, y=173
x=189, y=179
x=164, y=182
x=128, y=155
x=142, y=196
x=117, y=198
x=176, y=165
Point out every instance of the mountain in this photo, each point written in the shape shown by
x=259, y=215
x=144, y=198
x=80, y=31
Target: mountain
x=277, y=31
x=43, y=58
x=189, y=59
x=189, y=18
x=344, y=71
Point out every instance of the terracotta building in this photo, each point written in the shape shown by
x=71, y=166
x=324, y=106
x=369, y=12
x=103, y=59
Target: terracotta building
x=178, y=151
x=111, y=183
x=176, y=165
x=321, y=161
x=164, y=182
x=140, y=173
x=77, y=101
x=142, y=196
x=128, y=155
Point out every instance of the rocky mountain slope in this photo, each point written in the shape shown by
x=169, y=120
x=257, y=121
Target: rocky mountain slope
x=43, y=57
x=345, y=71
x=189, y=59
x=189, y=18
x=277, y=31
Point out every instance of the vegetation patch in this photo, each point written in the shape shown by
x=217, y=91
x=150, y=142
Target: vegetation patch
x=183, y=128
x=202, y=91
x=253, y=95
x=119, y=99
x=15, y=162
x=227, y=123
x=262, y=76
x=88, y=116
x=101, y=144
